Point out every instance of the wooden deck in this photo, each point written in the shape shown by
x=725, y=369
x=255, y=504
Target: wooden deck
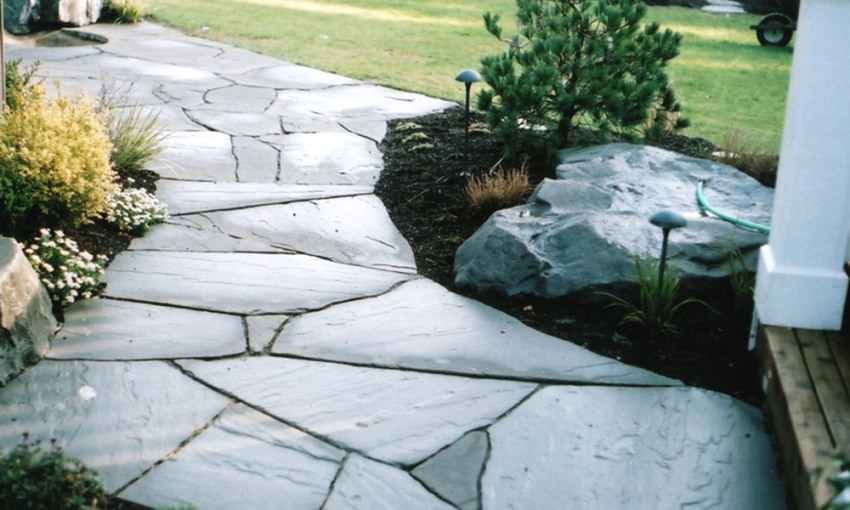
x=806, y=377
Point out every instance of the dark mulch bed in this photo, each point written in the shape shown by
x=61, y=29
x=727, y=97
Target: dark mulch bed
x=423, y=192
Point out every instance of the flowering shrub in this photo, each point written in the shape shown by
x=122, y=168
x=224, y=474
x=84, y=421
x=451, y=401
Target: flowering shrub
x=65, y=271
x=54, y=163
x=134, y=210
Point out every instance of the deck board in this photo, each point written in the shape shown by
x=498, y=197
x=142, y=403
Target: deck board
x=805, y=373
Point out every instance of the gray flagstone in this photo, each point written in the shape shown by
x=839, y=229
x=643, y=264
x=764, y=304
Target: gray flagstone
x=454, y=472
x=244, y=283
x=196, y=155
x=289, y=76
x=327, y=158
x=240, y=99
x=118, y=418
x=422, y=326
x=256, y=161
x=244, y=460
x=365, y=483
x=396, y=416
x=193, y=197
x=648, y=448
x=350, y=230
x=262, y=330
x=104, y=329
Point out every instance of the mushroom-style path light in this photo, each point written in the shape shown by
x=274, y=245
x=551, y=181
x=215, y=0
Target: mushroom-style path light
x=467, y=77
x=667, y=220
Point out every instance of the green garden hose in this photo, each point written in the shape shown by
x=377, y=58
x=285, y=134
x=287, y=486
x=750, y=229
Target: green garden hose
x=737, y=221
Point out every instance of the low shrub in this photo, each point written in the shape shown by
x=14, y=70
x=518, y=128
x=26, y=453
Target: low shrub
x=55, y=169
x=32, y=478
x=496, y=190
x=134, y=210
x=126, y=11
x=66, y=272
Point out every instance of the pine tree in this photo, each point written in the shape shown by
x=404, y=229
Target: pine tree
x=578, y=64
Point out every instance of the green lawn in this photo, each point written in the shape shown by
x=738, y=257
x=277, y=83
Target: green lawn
x=724, y=79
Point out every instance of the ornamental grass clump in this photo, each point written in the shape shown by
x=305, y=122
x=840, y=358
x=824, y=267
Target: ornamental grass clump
x=656, y=308
x=67, y=272
x=55, y=168
x=134, y=210
x=496, y=190
x=38, y=479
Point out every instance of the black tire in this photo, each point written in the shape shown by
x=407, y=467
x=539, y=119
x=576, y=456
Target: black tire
x=775, y=30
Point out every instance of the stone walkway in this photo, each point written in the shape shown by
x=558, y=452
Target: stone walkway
x=273, y=347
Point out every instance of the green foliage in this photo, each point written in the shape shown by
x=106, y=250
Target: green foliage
x=136, y=136
x=34, y=479
x=66, y=272
x=18, y=82
x=126, y=11
x=54, y=161
x=741, y=279
x=656, y=307
x=588, y=64
x=840, y=481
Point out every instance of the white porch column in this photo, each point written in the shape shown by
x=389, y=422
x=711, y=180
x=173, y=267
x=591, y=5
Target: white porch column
x=800, y=280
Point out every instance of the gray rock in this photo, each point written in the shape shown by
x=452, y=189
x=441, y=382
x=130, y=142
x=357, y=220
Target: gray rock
x=196, y=156
x=263, y=330
x=24, y=16
x=246, y=459
x=364, y=483
x=583, y=230
x=422, y=326
x=327, y=158
x=26, y=320
x=118, y=418
x=394, y=416
x=666, y=448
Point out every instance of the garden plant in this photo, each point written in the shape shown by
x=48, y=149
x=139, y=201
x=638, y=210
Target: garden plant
x=587, y=66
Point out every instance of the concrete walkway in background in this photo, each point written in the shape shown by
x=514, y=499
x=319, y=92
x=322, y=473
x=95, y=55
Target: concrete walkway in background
x=272, y=346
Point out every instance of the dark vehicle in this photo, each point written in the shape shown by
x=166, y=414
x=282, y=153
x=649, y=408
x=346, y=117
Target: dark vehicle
x=777, y=28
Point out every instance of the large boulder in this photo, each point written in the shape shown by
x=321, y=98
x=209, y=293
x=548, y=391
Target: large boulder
x=26, y=321
x=25, y=16
x=581, y=232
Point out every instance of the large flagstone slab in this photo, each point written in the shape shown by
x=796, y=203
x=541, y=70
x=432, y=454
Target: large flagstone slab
x=364, y=483
x=396, y=416
x=196, y=156
x=104, y=329
x=327, y=158
x=246, y=459
x=363, y=102
x=193, y=197
x=648, y=448
x=243, y=283
x=421, y=325
x=350, y=230
x=118, y=418
x=240, y=99
x=237, y=123
x=289, y=76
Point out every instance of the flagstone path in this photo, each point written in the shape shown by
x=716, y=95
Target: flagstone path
x=272, y=346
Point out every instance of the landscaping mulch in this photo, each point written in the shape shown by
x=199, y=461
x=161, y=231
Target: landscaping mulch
x=422, y=188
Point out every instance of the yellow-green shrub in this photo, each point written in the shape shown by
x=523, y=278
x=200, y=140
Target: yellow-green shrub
x=54, y=163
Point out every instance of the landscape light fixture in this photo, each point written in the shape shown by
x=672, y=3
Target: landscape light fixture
x=467, y=77
x=667, y=220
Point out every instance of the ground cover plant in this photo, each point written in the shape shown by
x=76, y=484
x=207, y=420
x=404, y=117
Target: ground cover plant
x=724, y=79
